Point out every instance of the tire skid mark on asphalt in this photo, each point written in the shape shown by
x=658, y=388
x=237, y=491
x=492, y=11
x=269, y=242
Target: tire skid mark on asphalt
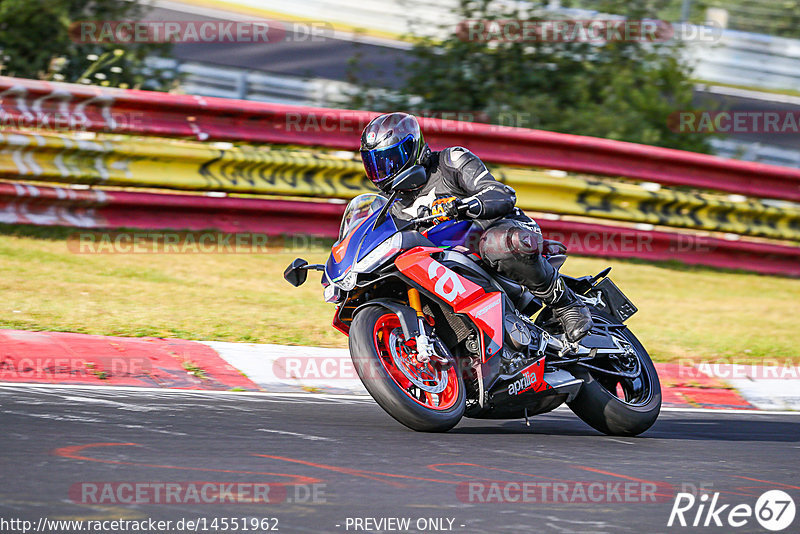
x=373, y=475
x=753, y=491
x=74, y=452
x=742, y=490
x=170, y=394
x=65, y=417
x=768, y=482
x=307, y=398
x=435, y=467
x=626, y=477
x=353, y=472
x=116, y=404
x=294, y=434
x=154, y=429
x=612, y=474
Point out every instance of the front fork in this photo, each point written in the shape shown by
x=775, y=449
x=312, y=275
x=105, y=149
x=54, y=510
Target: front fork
x=424, y=347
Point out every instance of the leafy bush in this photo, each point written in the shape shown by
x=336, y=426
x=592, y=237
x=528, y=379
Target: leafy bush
x=617, y=90
x=35, y=42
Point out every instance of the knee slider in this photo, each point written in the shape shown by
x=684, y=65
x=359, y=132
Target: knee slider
x=524, y=242
x=493, y=245
x=509, y=241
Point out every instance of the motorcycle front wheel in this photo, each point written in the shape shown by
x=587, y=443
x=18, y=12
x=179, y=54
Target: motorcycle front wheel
x=423, y=397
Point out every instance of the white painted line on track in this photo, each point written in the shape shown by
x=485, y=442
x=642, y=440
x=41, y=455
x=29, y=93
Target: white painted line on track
x=312, y=396
x=169, y=391
x=725, y=411
x=294, y=434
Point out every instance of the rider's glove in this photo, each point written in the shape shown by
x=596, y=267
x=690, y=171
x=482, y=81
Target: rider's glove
x=471, y=207
x=446, y=208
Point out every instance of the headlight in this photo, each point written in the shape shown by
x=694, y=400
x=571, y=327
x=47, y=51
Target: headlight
x=348, y=282
x=379, y=254
x=331, y=294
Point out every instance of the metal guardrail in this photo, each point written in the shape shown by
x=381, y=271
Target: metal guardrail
x=190, y=165
x=769, y=154
x=210, y=80
x=226, y=82
x=146, y=159
x=97, y=109
x=22, y=203
x=390, y=17
x=738, y=58
x=748, y=59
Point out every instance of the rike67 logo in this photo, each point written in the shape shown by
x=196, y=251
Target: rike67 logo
x=774, y=511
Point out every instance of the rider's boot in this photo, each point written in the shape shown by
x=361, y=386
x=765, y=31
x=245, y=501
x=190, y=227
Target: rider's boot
x=569, y=309
x=515, y=249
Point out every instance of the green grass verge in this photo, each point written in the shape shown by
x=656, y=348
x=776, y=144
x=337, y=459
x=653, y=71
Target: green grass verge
x=685, y=312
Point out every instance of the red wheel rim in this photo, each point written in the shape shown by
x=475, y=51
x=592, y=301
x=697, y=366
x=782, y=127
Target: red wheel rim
x=384, y=327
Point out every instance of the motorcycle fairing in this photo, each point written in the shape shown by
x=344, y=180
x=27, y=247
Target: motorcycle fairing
x=487, y=313
x=357, y=244
x=338, y=324
x=485, y=309
x=528, y=379
x=455, y=233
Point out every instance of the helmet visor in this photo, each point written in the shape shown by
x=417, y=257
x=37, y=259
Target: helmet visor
x=383, y=163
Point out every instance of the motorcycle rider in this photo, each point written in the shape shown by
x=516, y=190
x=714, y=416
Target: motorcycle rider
x=459, y=182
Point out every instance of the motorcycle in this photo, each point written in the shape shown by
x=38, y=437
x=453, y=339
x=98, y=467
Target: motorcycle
x=435, y=334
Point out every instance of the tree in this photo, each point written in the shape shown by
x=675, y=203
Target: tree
x=35, y=42
x=618, y=89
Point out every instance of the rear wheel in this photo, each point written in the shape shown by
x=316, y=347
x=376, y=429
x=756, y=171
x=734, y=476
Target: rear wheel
x=617, y=405
x=423, y=397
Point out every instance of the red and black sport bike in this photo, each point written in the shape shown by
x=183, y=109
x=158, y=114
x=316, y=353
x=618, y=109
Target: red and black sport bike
x=435, y=334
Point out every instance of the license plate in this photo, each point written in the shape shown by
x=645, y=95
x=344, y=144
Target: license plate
x=614, y=300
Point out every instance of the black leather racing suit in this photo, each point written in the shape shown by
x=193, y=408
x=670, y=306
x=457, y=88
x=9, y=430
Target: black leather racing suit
x=512, y=242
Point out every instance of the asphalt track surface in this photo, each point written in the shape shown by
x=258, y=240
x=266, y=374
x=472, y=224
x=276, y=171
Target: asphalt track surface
x=363, y=464
x=295, y=55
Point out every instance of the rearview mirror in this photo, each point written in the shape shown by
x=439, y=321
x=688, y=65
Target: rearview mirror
x=296, y=273
x=411, y=178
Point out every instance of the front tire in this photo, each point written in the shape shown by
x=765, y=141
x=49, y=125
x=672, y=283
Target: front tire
x=619, y=407
x=375, y=339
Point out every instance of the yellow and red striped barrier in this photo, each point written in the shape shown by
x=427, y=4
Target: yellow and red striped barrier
x=187, y=165
x=132, y=139
x=257, y=217
x=33, y=104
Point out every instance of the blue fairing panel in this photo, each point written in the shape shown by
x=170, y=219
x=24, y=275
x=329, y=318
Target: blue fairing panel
x=456, y=233
x=360, y=242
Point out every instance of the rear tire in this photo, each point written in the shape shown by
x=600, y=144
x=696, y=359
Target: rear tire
x=412, y=407
x=607, y=412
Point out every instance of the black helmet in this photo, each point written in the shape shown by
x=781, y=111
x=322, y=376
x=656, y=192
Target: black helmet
x=389, y=144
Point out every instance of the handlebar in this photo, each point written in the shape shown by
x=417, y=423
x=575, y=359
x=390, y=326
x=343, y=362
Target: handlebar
x=428, y=218
x=462, y=209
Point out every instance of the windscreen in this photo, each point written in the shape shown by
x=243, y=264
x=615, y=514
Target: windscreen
x=359, y=209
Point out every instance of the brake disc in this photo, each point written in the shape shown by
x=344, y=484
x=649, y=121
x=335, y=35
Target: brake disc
x=428, y=378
